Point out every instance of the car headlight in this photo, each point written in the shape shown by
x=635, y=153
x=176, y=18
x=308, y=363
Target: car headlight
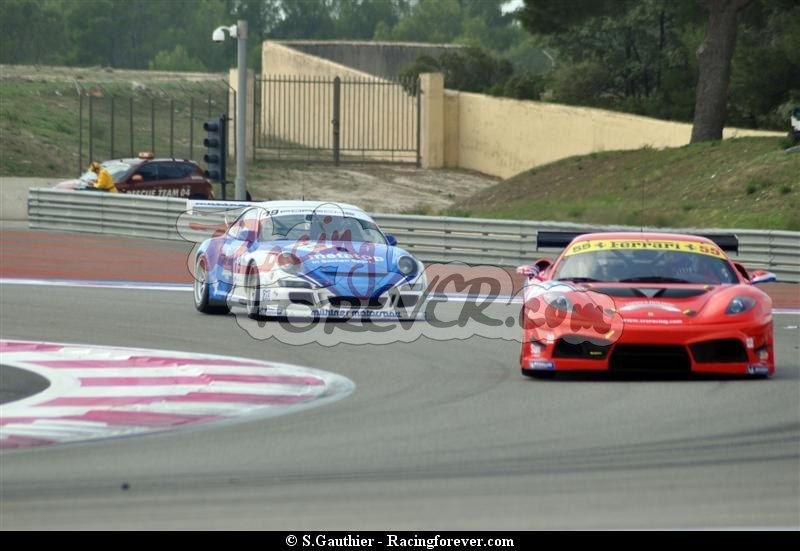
x=407, y=265
x=559, y=301
x=740, y=305
x=289, y=263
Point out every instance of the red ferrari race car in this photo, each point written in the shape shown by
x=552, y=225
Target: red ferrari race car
x=650, y=302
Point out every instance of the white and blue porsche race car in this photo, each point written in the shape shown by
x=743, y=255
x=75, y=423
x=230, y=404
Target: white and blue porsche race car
x=309, y=260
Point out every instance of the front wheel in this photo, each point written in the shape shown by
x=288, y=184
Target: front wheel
x=253, y=293
x=202, y=300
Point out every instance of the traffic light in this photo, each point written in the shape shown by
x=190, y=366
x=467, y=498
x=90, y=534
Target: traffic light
x=217, y=148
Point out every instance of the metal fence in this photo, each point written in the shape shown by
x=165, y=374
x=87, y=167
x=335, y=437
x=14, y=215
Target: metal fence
x=107, y=213
x=112, y=125
x=430, y=238
x=337, y=120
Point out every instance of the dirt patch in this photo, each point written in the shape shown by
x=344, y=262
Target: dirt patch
x=375, y=188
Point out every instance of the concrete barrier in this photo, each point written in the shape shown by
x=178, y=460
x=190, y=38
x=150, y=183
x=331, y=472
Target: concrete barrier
x=14, y=195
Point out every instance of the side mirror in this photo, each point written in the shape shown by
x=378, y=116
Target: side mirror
x=535, y=269
x=391, y=240
x=762, y=276
x=742, y=270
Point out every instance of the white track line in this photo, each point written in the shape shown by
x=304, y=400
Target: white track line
x=184, y=287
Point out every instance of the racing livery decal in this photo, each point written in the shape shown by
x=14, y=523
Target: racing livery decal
x=643, y=244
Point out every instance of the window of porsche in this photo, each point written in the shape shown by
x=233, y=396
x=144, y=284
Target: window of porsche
x=296, y=226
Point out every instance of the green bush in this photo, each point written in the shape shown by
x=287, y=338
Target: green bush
x=524, y=85
x=465, y=69
x=582, y=84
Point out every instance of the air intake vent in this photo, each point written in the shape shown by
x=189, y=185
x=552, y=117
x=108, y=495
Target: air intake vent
x=719, y=351
x=652, y=358
x=585, y=350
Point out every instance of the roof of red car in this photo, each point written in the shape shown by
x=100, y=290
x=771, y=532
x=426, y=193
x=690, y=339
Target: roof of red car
x=138, y=160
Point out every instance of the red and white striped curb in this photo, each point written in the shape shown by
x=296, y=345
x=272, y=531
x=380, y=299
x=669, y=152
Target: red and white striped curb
x=104, y=392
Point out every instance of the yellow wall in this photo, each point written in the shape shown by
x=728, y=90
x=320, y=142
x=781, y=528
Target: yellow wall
x=277, y=59
x=303, y=113
x=503, y=137
x=432, y=120
x=451, y=126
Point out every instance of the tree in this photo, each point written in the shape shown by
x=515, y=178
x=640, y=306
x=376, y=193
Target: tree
x=467, y=69
x=32, y=31
x=645, y=48
x=549, y=17
x=261, y=15
x=358, y=19
x=714, y=68
x=617, y=54
x=524, y=85
x=765, y=71
x=486, y=26
x=437, y=21
x=176, y=60
x=310, y=19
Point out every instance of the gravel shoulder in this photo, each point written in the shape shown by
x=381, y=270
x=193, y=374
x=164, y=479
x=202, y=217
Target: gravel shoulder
x=375, y=188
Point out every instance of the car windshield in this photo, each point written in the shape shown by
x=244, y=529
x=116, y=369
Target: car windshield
x=338, y=228
x=645, y=266
x=117, y=169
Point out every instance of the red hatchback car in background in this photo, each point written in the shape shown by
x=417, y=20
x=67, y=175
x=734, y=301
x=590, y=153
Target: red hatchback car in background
x=146, y=175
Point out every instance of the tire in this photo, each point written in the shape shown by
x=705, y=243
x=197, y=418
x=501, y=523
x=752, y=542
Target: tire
x=202, y=300
x=253, y=285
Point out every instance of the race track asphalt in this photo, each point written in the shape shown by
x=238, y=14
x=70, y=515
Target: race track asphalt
x=437, y=435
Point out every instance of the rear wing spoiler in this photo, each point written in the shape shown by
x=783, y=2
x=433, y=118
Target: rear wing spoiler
x=556, y=239
x=728, y=242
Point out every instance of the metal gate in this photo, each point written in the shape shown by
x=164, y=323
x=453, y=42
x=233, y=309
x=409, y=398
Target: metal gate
x=112, y=126
x=337, y=120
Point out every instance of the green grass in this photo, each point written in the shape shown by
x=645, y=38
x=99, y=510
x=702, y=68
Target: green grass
x=43, y=130
x=744, y=183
